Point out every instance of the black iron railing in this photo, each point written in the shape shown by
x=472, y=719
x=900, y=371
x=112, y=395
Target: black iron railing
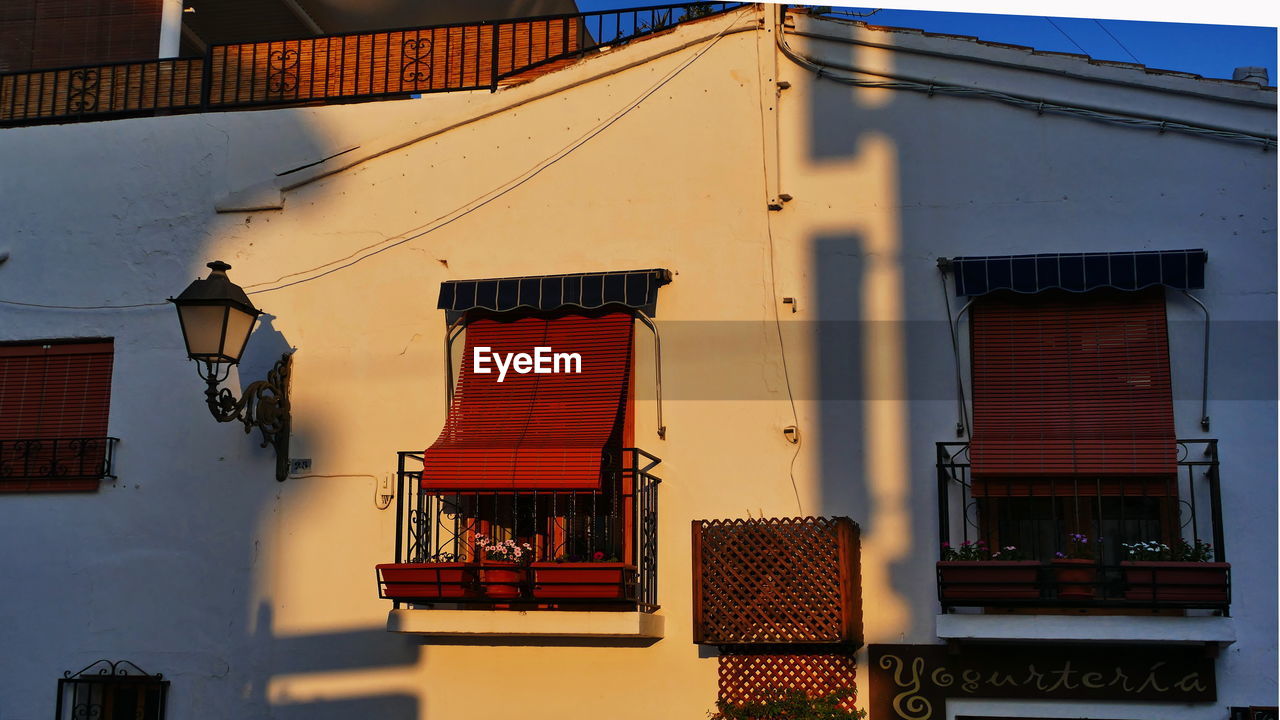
x=614, y=524
x=1029, y=523
x=346, y=67
x=108, y=689
x=32, y=463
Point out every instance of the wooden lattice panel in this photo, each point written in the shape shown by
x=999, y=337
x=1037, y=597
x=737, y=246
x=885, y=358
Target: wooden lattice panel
x=793, y=581
x=753, y=675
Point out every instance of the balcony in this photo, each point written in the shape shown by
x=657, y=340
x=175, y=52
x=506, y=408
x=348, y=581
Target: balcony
x=591, y=561
x=55, y=464
x=343, y=68
x=1036, y=516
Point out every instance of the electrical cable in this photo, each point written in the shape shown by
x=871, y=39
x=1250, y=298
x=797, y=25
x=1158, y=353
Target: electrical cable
x=1065, y=35
x=376, y=494
x=773, y=295
x=824, y=70
x=81, y=307
x=510, y=185
x=453, y=215
x=1117, y=40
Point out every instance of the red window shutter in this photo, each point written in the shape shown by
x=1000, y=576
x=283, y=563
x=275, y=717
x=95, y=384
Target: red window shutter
x=55, y=391
x=1072, y=386
x=536, y=431
x=57, y=395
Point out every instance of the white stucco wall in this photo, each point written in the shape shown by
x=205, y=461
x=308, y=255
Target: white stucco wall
x=257, y=599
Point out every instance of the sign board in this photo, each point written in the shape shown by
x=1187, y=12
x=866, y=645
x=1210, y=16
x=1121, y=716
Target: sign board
x=913, y=682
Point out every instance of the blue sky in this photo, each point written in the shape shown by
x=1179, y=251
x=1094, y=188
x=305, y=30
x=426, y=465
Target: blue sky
x=1240, y=34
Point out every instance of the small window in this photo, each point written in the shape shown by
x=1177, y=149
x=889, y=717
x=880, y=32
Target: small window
x=55, y=396
x=109, y=690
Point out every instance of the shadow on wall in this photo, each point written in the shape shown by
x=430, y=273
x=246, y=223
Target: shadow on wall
x=346, y=672
x=355, y=650
x=863, y=342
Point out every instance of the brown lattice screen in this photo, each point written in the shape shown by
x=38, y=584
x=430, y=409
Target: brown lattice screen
x=752, y=675
x=793, y=581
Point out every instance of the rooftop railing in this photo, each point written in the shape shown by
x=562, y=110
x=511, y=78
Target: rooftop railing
x=348, y=67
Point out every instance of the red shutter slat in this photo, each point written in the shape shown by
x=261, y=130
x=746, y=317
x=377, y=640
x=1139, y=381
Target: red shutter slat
x=535, y=431
x=55, y=395
x=1072, y=386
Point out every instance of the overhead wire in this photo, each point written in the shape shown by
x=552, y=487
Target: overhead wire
x=453, y=215
x=1117, y=41
x=504, y=188
x=898, y=82
x=1065, y=35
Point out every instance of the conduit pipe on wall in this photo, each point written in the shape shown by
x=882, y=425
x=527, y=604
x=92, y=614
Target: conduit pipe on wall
x=962, y=422
x=1204, y=380
x=897, y=81
x=657, y=368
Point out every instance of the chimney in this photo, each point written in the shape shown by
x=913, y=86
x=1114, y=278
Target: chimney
x=1251, y=74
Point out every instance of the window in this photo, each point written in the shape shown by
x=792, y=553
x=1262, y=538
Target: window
x=54, y=400
x=537, y=450
x=112, y=691
x=1072, y=418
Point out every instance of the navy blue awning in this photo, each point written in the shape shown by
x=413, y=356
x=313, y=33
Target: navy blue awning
x=1079, y=272
x=631, y=288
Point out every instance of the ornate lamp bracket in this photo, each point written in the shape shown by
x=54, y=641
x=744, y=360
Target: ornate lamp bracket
x=264, y=405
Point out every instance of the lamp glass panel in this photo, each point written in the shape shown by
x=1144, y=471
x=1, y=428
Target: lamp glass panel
x=202, y=325
x=239, y=325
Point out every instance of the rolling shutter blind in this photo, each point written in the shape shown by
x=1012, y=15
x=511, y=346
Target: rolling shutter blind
x=54, y=403
x=536, y=431
x=1072, y=386
x=55, y=391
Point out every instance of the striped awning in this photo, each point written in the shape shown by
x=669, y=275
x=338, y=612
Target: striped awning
x=1079, y=272
x=629, y=288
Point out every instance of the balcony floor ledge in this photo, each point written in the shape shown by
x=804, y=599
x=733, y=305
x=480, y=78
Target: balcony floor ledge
x=1074, y=628
x=536, y=623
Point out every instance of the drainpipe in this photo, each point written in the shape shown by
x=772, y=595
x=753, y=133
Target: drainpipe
x=170, y=29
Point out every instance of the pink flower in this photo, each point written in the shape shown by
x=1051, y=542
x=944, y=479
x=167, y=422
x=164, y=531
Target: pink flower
x=597, y=556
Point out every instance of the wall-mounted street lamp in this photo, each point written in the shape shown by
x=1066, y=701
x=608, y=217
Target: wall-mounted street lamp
x=217, y=318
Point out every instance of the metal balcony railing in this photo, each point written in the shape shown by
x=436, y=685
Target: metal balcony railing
x=1036, y=516
x=348, y=67
x=55, y=463
x=613, y=527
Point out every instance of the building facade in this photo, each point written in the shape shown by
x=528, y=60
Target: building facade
x=950, y=290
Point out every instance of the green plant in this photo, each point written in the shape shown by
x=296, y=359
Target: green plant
x=697, y=10
x=968, y=550
x=790, y=705
x=1198, y=551
x=1182, y=551
x=979, y=551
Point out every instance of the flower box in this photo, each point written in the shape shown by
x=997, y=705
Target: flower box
x=1177, y=582
x=584, y=581
x=1075, y=578
x=988, y=579
x=502, y=580
x=428, y=582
